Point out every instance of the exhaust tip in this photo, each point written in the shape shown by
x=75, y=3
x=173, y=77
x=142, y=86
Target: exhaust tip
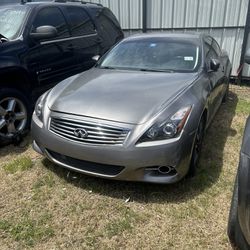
x=165, y=169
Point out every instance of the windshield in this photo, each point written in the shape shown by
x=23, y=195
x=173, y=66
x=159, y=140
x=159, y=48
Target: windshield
x=159, y=55
x=11, y=20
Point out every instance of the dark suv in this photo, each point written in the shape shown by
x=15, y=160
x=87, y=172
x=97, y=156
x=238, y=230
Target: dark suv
x=40, y=45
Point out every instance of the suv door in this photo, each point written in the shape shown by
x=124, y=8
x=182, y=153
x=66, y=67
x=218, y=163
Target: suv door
x=55, y=56
x=85, y=41
x=215, y=77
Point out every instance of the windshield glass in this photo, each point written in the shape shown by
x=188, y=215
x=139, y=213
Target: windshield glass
x=11, y=19
x=159, y=55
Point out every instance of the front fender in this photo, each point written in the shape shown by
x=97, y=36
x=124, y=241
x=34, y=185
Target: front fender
x=7, y=62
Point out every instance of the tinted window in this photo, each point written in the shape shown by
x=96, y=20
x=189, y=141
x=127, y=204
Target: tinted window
x=216, y=47
x=109, y=25
x=207, y=49
x=212, y=54
x=208, y=40
x=162, y=55
x=80, y=23
x=52, y=16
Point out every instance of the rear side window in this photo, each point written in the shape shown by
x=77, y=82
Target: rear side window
x=109, y=26
x=54, y=17
x=79, y=21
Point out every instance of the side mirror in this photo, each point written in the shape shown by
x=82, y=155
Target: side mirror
x=44, y=32
x=214, y=64
x=247, y=57
x=96, y=58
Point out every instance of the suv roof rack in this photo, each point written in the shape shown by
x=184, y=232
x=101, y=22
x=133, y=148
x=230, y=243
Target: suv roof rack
x=77, y=1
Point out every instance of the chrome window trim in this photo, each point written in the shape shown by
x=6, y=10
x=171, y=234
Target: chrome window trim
x=67, y=39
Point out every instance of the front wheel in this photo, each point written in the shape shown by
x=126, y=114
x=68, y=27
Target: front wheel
x=14, y=114
x=225, y=97
x=197, y=148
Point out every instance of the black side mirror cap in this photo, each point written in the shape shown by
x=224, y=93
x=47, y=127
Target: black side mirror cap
x=247, y=57
x=44, y=32
x=214, y=64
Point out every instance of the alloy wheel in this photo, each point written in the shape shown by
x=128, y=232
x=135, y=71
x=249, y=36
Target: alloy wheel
x=13, y=117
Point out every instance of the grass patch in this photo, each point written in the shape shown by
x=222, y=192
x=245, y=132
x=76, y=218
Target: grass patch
x=20, y=164
x=28, y=230
x=67, y=210
x=47, y=180
x=42, y=188
x=243, y=106
x=124, y=223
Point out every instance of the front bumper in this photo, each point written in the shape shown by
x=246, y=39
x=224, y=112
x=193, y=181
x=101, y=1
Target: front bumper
x=134, y=162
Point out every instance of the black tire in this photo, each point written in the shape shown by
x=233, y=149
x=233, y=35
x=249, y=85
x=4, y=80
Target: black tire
x=232, y=220
x=197, y=148
x=225, y=97
x=19, y=117
x=234, y=231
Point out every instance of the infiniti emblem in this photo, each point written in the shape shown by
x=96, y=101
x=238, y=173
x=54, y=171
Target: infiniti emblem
x=81, y=133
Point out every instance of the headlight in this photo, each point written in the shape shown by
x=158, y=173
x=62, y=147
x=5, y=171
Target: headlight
x=168, y=129
x=40, y=106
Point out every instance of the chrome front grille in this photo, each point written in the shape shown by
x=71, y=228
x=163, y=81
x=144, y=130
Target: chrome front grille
x=88, y=132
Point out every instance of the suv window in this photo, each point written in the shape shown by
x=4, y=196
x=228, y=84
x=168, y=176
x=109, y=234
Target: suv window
x=79, y=21
x=52, y=16
x=108, y=25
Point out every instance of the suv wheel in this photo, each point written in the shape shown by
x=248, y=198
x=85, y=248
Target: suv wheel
x=14, y=114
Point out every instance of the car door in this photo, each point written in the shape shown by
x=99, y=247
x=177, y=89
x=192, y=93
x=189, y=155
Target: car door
x=55, y=57
x=85, y=41
x=215, y=77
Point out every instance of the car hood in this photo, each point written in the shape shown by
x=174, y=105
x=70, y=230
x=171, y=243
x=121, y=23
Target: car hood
x=118, y=95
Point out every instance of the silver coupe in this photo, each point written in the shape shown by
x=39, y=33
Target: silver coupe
x=140, y=114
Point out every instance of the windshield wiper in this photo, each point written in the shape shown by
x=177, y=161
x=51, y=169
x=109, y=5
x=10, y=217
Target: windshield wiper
x=157, y=70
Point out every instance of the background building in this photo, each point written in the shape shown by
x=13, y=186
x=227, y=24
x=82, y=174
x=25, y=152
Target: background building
x=225, y=20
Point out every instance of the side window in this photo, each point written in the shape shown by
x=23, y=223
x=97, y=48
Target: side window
x=210, y=54
x=52, y=16
x=207, y=49
x=79, y=21
x=216, y=48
